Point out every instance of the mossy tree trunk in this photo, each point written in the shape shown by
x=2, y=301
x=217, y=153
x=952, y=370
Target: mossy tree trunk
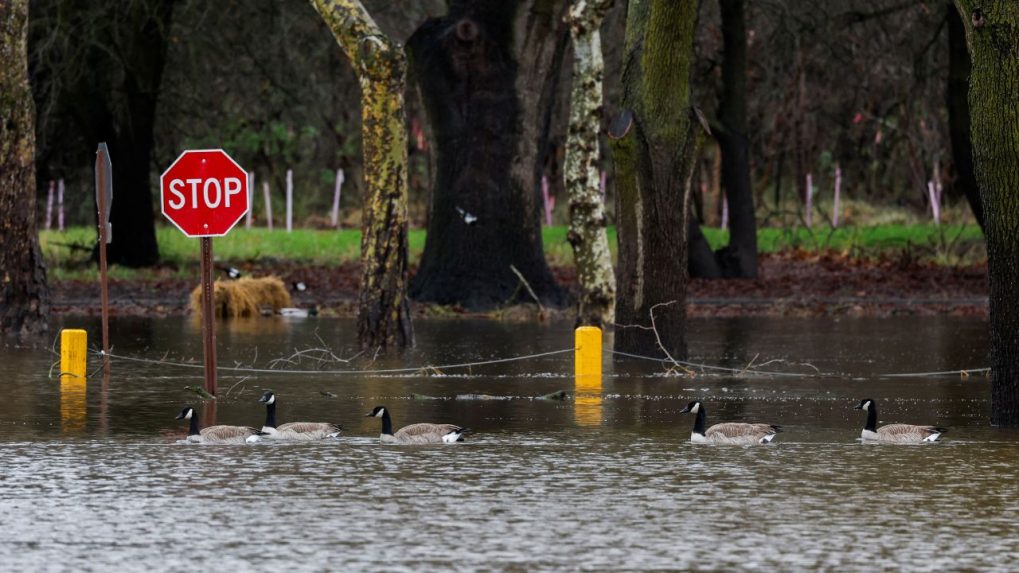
x=654, y=142
x=587, y=234
x=383, y=313
x=488, y=71
x=25, y=296
x=992, y=33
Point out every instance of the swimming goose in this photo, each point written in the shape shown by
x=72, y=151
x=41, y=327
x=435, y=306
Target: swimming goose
x=294, y=430
x=895, y=433
x=416, y=433
x=216, y=434
x=729, y=433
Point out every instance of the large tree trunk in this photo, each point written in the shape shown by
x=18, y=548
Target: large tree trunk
x=25, y=296
x=487, y=72
x=739, y=258
x=114, y=100
x=992, y=32
x=654, y=143
x=958, y=114
x=383, y=317
x=587, y=235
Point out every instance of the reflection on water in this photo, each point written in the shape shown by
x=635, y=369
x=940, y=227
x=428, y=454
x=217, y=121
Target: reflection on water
x=93, y=480
x=72, y=404
x=587, y=400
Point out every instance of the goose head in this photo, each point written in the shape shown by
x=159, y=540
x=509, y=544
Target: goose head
x=864, y=404
x=692, y=407
x=268, y=398
x=186, y=414
x=377, y=412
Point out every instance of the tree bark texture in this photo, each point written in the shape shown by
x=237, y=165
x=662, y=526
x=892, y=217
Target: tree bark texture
x=383, y=318
x=114, y=100
x=739, y=258
x=587, y=235
x=992, y=33
x=654, y=143
x=957, y=98
x=25, y=295
x=487, y=71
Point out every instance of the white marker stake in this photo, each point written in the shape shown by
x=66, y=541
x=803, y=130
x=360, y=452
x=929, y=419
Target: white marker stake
x=935, y=208
x=251, y=200
x=60, y=205
x=49, y=204
x=290, y=200
x=810, y=200
x=336, y=198
x=268, y=205
x=838, y=197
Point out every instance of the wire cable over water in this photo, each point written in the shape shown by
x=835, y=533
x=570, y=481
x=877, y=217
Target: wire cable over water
x=436, y=370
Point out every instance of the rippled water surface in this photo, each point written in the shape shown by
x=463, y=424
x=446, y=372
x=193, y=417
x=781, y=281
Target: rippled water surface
x=93, y=479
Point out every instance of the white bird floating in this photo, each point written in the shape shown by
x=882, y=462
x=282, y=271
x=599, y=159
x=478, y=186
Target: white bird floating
x=467, y=217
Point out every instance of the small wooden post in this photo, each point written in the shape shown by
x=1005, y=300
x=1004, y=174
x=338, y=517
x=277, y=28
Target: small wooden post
x=837, y=207
x=290, y=200
x=208, y=318
x=60, y=205
x=336, y=198
x=49, y=204
x=268, y=204
x=809, y=215
x=73, y=353
x=104, y=198
x=251, y=200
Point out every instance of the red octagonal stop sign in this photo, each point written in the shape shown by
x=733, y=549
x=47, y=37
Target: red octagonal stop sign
x=204, y=193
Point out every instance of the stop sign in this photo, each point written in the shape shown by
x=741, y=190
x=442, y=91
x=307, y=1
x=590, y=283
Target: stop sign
x=204, y=193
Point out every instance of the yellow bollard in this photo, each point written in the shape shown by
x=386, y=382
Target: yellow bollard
x=73, y=353
x=587, y=352
x=587, y=401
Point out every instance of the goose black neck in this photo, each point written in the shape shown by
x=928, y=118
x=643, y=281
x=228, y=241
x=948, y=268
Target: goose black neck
x=387, y=423
x=270, y=415
x=193, y=428
x=701, y=421
x=871, y=418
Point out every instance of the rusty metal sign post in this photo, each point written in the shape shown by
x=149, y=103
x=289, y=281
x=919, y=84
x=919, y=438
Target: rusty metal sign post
x=104, y=200
x=205, y=193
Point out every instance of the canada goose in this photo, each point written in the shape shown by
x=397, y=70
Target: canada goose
x=216, y=434
x=729, y=433
x=416, y=433
x=294, y=430
x=895, y=433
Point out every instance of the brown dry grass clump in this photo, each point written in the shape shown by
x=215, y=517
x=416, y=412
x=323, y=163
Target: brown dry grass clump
x=243, y=297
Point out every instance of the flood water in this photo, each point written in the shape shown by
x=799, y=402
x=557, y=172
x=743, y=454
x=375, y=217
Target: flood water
x=93, y=479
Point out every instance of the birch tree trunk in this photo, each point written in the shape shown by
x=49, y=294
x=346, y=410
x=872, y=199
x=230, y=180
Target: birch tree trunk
x=25, y=296
x=654, y=143
x=992, y=33
x=383, y=317
x=587, y=235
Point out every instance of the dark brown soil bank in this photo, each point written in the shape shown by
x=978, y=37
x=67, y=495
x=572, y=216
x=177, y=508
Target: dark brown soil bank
x=791, y=284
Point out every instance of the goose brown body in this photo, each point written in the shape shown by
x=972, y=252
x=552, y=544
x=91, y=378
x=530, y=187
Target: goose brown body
x=300, y=431
x=733, y=433
x=423, y=433
x=895, y=433
x=220, y=434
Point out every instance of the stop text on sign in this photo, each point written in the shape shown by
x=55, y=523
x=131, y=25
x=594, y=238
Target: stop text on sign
x=204, y=193
x=212, y=191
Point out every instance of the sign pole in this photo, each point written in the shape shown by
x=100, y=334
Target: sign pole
x=104, y=196
x=208, y=320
